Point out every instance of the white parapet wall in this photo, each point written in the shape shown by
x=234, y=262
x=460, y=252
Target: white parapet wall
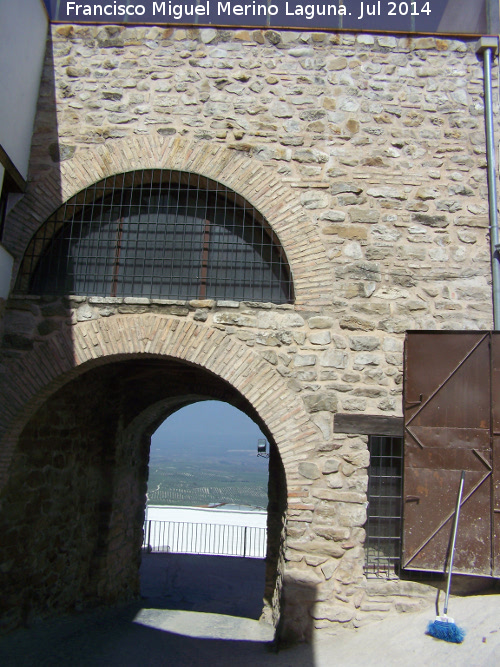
x=215, y=531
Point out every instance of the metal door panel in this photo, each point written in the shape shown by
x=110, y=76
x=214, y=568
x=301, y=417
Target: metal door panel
x=429, y=505
x=442, y=436
x=496, y=544
x=460, y=396
x=496, y=475
x=495, y=381
x=495, y=424
x=496, y=506
x=438, y=458
x=435, y=355
x=447, y=430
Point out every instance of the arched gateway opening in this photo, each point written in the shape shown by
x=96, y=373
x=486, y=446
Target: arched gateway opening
x=77, y=490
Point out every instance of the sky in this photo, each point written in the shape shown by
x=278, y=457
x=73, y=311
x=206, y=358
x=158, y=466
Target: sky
x=211, y=428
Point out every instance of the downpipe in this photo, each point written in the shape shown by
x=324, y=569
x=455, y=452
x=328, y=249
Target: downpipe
x=488, y=46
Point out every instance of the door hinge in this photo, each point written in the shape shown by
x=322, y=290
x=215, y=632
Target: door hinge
x=412, y=404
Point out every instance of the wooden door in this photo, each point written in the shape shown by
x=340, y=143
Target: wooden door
x=448, y=428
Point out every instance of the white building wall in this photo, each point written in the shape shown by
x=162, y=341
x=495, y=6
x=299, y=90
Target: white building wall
x=23, y=33
x=206, y=531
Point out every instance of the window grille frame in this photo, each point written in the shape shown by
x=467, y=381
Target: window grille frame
x=236, y=253
x=385, y=507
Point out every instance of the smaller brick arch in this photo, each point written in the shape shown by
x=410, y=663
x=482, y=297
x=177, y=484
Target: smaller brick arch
x=257, y=183
x=66, y=355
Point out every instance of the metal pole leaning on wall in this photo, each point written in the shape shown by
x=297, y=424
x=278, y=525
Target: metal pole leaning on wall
x=488, y=46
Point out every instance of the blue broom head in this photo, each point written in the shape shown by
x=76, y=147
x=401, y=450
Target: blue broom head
x=444, y=628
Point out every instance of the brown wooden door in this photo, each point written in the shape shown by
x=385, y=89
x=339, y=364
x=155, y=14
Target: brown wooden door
x=495, y=428
x=448, y=428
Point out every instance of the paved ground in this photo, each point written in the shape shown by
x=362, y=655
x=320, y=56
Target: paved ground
x=164, y=628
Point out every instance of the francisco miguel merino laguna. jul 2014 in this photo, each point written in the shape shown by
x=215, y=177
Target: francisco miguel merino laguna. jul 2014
x=178, y=11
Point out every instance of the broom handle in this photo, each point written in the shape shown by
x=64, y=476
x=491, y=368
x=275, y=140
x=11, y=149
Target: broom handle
x=453, y=541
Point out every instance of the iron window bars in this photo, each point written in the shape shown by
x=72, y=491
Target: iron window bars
x=383, y=526
x=157, y=234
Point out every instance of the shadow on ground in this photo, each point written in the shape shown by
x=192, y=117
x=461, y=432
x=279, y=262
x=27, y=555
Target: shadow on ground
x=194, y=611
x=212, y=584
x=114, y=637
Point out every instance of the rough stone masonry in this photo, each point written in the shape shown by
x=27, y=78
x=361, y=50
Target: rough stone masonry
x=366, y=155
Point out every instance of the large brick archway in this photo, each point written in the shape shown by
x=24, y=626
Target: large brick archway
x=273, y=197
x=75, y=387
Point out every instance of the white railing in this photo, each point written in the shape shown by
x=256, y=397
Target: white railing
x=205, y=538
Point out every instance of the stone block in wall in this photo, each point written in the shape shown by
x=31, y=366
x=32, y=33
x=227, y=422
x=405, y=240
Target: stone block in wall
x=369, y=215
x=324, y=422
x=409, y=605
x=325, y=547
x=309, y=470
x=331, y=532
x=364, y=343
x=20, y=323
x=236, y=319
x=350, y=569
x=338, y=612
x=334, y=359
x=320, y=338
x=331, y=466
x=320, y=322
x=320, y=402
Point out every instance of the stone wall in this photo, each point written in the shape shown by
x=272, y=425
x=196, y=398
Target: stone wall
x=378, y=143
x=366, y=156
x=60, y=524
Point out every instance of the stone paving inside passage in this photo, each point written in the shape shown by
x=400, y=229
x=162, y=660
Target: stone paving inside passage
x=185, y=598
x=205, y=584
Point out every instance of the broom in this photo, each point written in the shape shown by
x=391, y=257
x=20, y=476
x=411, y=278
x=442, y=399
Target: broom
x=444, y=626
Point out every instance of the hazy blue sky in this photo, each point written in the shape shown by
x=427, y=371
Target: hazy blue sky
x=209, y=427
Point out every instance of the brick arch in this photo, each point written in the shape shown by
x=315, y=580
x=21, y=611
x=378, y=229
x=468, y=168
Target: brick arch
x=67, y=355
x=258, y=184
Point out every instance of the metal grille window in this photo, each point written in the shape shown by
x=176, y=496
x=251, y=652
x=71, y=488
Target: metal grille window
x=157, y=234
x=383, y=527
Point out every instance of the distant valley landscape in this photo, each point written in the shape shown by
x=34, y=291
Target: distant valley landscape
x=207, y=481
x=206, y=454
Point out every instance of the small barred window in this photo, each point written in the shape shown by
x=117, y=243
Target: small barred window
x=383, y=526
